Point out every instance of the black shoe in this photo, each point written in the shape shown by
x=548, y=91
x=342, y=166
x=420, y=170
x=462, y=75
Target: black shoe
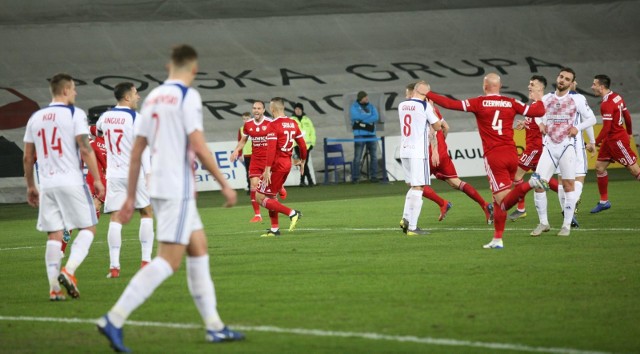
x=302, y=184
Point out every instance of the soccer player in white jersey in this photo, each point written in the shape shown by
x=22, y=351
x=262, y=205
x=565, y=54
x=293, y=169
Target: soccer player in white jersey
x=171, y=125
x=117, y=125
x=559, y=151
x=416, y=115
x=58, y=136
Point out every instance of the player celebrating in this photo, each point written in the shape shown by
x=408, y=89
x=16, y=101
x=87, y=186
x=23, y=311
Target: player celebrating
x=416, y=115
x=257, y=130
x=171, y=125
x=446, y=171
x=533, y=148
x=282, y=133
x=613, y=138
x=118, y=127
x=58, y=136
x=559, y=151
x=495, y=117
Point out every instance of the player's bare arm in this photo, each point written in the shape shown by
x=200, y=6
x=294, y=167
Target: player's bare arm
x=433, y=140
x=199, y=147
x=89, y=157
x=238, y=149
x=28, y=159
x=266, y=175
x=126, y=211
x=445, y=128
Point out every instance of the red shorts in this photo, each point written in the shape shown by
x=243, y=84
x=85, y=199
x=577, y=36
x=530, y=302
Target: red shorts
x=445, y=168
x=501, y=165
x=277, y=181
x=618, y=151
x=256, y=167
x=529, y=158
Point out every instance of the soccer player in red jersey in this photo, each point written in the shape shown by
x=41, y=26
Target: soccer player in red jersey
x=283, y=131
x=533, y=148
x=256, y=129
x=445, y=170
x=613, y=139
x=495, y=116
x=97, y=143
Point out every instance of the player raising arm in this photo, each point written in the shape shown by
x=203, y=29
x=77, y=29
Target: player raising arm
x=495, y=116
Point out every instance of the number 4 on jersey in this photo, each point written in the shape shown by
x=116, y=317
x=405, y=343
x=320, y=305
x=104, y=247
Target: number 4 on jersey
x=497, y=123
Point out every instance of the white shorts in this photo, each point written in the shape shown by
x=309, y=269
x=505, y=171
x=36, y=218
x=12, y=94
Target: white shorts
x=176, y=219
x=557, y=156
x=117, y=194
x=416, y=172
x=581, y=162
x=69, y=207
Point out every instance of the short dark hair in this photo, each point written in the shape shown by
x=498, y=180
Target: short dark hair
x=569, y=70
x=261, y=102
x=278, y=100
x=59, y=82
x=122, y=89
x=183, y=54
x=540, y=78
x=411, y=86
x=604, y=80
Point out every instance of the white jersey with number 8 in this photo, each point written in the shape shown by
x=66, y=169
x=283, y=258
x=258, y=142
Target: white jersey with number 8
x=415, y=117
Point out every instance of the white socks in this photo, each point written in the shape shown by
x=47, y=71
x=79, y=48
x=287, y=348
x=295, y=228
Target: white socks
x=203, y=292
x=146, y=238
x=114, y=239
x=79, y=250
x=141, y=286
x=569, y=208
x=52, y=257
x=540, y=200
x=414, y=200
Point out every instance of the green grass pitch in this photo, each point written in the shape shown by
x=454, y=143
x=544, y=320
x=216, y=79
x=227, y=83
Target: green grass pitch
x=348, y=281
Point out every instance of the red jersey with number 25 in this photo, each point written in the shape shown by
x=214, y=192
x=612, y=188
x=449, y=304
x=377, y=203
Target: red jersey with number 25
x=283, y=131
x=494, y=115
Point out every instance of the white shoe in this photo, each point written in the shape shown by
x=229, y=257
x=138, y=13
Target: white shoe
x=495, y=243
x=539, y=182
x=564, y=231
x=540, y=229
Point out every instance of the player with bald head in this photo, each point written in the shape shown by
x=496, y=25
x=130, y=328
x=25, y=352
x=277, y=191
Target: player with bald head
x=495, y=115
x=445, y=170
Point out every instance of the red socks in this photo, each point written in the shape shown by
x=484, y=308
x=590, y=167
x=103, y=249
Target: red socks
x=274, y=205
x=553, y=184
x=254, y=204
x=472, y=193
x=499, y=220
x=430, y=194
x=273, y=215
x=603, y=183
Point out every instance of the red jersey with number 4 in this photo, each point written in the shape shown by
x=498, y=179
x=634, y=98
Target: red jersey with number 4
x=614, y=114
x=494, y=115
x=283, y=131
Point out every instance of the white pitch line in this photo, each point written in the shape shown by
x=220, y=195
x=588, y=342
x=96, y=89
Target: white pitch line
x=323, y=333
x=348, y=229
